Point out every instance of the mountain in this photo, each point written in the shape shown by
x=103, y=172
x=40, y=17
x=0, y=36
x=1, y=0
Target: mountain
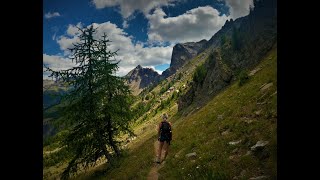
x=238, y=46
x=52, y=92
x=140, y=78
x=181, y=54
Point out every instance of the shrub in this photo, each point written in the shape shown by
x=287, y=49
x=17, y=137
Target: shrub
x=200, y=74
x=243, y=77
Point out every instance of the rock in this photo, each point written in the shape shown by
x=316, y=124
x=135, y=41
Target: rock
x=262, y=85
x=235, y=142
x=232, y=157
x=235, y=150
x=259, y=177
x=258, y=113
x=249, y=121
x=191, y=155
x=248, y=153
x=259, y=145
x=267, y=86
x=243, y=172
x=225, y=132
x=254, y=71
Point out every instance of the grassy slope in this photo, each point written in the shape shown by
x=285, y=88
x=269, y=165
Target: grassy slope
x=201, y=132
x=234, y=110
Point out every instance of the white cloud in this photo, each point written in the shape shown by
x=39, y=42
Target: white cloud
x=57, y=63
x=73, y=30
x=238, y=8
x=130, y=54
x=128, y=7
x=51, y=15
x=125, y=24
x=158, y=71
x=65, y=43
x=194, y=25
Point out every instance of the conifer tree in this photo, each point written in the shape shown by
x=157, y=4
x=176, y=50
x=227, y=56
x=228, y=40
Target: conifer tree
x=96, y=109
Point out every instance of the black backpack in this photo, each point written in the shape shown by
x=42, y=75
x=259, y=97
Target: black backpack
x=165, y=130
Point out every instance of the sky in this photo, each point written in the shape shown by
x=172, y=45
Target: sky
x=143, y=31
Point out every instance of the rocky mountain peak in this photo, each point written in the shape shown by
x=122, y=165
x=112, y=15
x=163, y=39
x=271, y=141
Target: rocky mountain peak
x=140, y=78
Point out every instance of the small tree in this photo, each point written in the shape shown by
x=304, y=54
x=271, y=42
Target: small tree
x=200, y=74
x=97, y=107
x=243, y=77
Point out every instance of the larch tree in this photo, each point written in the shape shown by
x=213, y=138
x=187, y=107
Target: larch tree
x=97, y=108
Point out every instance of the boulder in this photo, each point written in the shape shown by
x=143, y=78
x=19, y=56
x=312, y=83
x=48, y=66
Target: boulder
x=259, y=145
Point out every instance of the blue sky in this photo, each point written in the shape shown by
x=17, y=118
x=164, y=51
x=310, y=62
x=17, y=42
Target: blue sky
x=144, y=31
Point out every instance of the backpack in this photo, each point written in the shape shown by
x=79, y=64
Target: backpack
x=165, y=130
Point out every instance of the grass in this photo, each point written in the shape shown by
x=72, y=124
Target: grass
x=202, y=131
x=246, y=112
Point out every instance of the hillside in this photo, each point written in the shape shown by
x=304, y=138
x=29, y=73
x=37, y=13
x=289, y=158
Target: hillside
x=52, y=93
x=233, y=136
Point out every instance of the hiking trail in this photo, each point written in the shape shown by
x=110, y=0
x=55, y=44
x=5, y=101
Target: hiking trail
x=154, y=174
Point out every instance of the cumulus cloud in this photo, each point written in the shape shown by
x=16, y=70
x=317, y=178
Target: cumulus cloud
x=194, y=25
x=66, y=42
x=238, y=8
x=129, y=53
x=73, y=29
x=50, y=15
x=57, y=62
x=128, y=7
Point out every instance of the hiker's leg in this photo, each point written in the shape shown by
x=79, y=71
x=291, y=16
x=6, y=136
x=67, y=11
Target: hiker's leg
x=166, y=149
x=159, y=150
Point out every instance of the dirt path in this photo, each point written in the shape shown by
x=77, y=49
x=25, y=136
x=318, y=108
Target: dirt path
x=153, y=174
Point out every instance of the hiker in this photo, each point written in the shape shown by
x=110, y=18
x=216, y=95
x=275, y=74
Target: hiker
x=164, y=137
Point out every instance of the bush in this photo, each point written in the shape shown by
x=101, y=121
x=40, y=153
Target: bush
x=243, y=77
x=162, y=90
x=147, y=97
x=200, y=74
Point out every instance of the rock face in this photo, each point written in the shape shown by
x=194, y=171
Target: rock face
x=181, y=54
x=140, y=78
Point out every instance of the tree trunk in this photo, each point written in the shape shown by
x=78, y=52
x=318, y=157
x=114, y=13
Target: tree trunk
x=110, y=137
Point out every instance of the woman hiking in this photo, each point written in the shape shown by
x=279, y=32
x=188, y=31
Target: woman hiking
x=164, y=137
